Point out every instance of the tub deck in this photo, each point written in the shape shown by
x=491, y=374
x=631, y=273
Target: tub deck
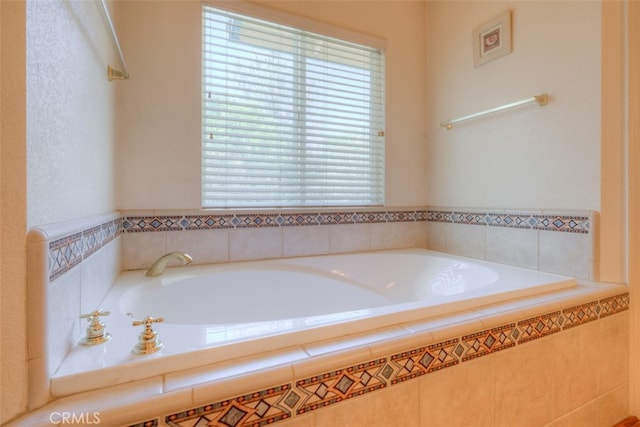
x=267, y=306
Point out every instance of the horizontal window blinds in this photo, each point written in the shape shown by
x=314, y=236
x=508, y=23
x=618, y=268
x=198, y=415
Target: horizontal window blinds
x=289, y=117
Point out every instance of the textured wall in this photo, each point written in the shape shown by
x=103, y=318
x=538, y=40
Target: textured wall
x=57, y=148
x=69, y=112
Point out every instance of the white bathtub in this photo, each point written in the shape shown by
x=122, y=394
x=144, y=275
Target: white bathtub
x=215, y=313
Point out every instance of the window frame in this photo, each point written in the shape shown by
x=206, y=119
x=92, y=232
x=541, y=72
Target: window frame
x=304, y=24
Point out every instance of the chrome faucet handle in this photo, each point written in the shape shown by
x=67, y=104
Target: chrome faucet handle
x=148, y=341
x=96, y=330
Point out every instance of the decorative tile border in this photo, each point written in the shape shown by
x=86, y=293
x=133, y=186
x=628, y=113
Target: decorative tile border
x=540, y=326
x=332, y=387
x=613, y=305
x=134, y=224
x=485, y=342
x=69, y=251
x=423, y=360
x=149, y=423
x=536, y=221
x=581, y=314
x=279, y=403
x=547, y=222
x=253, y=409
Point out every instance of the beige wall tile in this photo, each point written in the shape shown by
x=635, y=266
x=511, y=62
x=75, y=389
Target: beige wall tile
x=513, y=246
x=437, y=235
x=395, y=406
x=586, y=415
x=349, y=237
x=391, y=235
x=613, y=406
x=306, y=420
x=460, y=396
x=566, y=253
x=467, y=240
x=574, y=366
x=419, y=237
x=305, y=240
x=523, y=385
x=205, y=246
x=140, y=250
x=98, y=273
x=612, y=351
x=605, y=411
x=63, y=322
x=259, y=243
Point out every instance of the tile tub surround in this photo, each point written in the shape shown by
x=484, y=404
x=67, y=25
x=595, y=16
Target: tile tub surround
x=525, y=358
x=212, y=237
x=71, y=267
x=562, y=242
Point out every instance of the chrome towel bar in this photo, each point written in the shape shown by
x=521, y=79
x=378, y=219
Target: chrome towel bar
x=540, y=99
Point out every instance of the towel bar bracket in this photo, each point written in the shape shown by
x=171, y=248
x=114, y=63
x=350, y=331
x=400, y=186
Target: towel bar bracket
x=113, y=74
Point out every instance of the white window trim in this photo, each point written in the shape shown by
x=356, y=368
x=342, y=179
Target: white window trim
x=302, y=23
x=270, y=15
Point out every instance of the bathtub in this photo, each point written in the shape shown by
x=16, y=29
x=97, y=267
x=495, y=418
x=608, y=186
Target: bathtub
x=217, y=313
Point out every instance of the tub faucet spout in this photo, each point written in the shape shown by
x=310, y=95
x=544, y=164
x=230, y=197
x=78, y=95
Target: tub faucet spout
x=158, y=267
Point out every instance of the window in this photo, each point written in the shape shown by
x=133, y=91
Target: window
x=289, y=117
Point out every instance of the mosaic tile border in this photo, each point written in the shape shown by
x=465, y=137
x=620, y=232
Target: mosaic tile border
x=69, y=251
x=136, y=224
x=304, y=395
x=253, y=409
x=535, y=221
x=532, y=221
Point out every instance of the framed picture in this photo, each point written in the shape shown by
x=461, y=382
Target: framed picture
x=492, y=39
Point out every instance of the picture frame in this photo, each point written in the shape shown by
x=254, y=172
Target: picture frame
x=492, y=39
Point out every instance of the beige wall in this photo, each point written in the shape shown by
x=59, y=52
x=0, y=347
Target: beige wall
x=566, y=155
x=528, y=157
x=613, y=143
x=13, y=340
x=158, y=122
x=69, y=112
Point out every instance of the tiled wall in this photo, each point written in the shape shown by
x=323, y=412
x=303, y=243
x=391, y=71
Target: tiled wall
x=565, y=367
x=563, y=242
x=243, y=236
x=72, y=265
